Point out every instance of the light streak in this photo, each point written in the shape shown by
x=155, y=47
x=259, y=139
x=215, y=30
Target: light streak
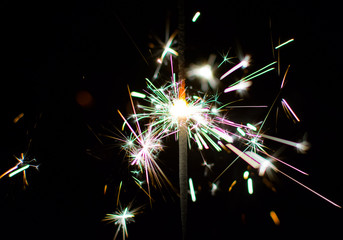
x=22, y=165
x=119, y=191
x=239, y=86
x=138, y=94
x=311, y=190
x=18, y=170
x=252, y=162
x=243, y=64
x=301, y=146
x=257, y=73
x=232, y=185
x=105, y=189
x=246, y=175
x=252, y=127
x=274, y=218
x=283, y=44
x=250, y=186
x=240, y=130
x=288, y=165
x=196, y=16
x=191, y=187
x=284, y=102
x=17, y=118
x=284, y=77
x=264, y=163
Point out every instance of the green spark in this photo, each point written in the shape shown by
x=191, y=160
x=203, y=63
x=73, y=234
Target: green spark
x=138, y=94
x=19, y=170
x=283, y=44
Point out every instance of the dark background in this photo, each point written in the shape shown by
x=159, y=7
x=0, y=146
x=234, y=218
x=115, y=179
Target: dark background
x=54, y=55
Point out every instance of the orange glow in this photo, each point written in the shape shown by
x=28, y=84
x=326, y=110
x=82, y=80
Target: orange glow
x=275, y=218
x=84, y=99
x=182, y=91
x=232, y=185
x=17, y=118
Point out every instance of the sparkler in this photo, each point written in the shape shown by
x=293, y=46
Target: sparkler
x=195, y=118
x=183, y=168
x=203, y=125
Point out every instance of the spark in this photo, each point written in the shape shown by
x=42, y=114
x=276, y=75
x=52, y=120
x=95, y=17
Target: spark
x=138, y=94
x=257, y=73
x=121, y=218
x=226, y=59
x=301, y=146
x=214, y=188
x=311, y=190
x=252, y=162
x=191, y=187
x=274, y=218
x=17, y=118
x=168, y=49
x=204, y=73
x=243, y=64
x=142, y=148
x=196, y=16
x=264, y=163
x=105, y=189
x=18, y=170
x=22, y=165
x=284, y=77
x=240, y=86
x=208, y=166
x=119, y=191
x=232, y=185
x=284, y=103
x=283, y=44
x=252, y=127
x=167, y=108
x=250, y=186
x=240, y=130
x=246, y=175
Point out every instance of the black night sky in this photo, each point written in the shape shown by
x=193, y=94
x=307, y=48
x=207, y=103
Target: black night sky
x=66, y=66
